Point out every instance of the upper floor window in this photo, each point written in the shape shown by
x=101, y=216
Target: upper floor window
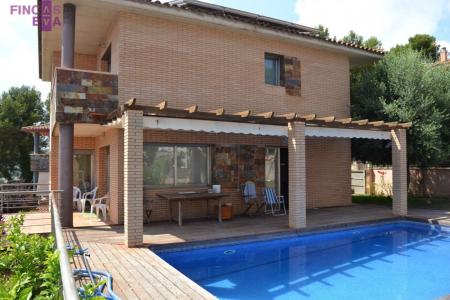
x=273, y=69
x=106, y=60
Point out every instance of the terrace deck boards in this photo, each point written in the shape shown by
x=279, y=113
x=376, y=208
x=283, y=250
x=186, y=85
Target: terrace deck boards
x=139, y=273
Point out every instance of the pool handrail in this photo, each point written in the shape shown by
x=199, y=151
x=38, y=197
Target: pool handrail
x=68, y=282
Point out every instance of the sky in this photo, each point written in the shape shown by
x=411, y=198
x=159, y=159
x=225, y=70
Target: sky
x=392, y=21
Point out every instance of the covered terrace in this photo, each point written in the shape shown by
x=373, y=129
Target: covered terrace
x=134, y=119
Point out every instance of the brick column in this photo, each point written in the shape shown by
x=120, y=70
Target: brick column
x=133, y=177
x=116, y=173
x=297, y=175
x=399, y=172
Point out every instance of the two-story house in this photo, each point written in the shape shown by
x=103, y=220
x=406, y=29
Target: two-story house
x=150, y=97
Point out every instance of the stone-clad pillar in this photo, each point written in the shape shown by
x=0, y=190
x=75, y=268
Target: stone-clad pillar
x=297, y=175
x=399, y=172
x=133, y=149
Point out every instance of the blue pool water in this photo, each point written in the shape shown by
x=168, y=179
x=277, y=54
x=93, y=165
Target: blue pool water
x=401, y=260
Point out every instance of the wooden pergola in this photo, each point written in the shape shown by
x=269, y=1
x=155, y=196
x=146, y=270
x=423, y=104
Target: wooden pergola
x=134, y=119
x=265, y=118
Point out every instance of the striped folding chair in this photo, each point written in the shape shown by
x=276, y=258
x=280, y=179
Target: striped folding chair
x=274, y=204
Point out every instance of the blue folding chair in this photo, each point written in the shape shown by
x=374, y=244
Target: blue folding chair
x=274, y=204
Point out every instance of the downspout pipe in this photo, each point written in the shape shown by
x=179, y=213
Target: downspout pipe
x=68, y=36
x=66, y=130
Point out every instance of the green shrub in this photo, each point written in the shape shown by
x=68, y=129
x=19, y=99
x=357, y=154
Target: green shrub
x=29, y=265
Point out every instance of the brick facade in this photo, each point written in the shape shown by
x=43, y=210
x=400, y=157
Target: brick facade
x=185, y=64
x=111, y=141
x=81, y=61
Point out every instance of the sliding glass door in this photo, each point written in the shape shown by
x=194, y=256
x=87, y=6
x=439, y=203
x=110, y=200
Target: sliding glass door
x=83, y=170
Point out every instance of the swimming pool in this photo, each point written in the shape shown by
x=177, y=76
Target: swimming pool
x=398, y=260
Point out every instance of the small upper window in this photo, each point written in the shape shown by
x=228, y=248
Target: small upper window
x=106, y=60
x=273, y=69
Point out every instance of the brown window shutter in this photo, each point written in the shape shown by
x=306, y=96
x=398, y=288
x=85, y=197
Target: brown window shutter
x=292, y=76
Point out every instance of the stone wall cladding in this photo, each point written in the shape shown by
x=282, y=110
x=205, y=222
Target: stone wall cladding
x=188, y=64
x=82, y=96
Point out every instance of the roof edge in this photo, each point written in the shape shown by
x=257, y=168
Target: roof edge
x=185, y=10
x=225, y=9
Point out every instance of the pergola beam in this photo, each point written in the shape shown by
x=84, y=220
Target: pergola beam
x=376, y=123
x=288, y=116
x=361, y=122
x=405, y=125
x=192, y=109
x=163, y=105
x=345, y=121
x=243, y=114
x=218, y=112
x=310, y=117
x=266, y=115
x=266, y=118
x=392, y=124
x=327, y=119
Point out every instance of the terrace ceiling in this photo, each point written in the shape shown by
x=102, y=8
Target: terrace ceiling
x=92, y=24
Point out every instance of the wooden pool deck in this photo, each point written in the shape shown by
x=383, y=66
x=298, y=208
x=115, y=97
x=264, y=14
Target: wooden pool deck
x=140, y=274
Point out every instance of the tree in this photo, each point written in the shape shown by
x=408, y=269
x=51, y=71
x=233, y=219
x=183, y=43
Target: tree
x=402, y=87
x=353, y=38
x=426, y=44
x=323, y=31
x=18, y=107
x=373, y=42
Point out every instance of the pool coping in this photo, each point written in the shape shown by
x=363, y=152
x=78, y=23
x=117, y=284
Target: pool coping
x=182, y=246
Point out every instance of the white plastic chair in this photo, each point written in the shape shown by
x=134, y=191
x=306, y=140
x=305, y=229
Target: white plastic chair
x=88, y=197
x=101, y=204
x=77, y=197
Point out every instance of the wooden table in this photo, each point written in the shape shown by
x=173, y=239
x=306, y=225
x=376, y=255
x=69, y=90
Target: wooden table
x=180, y=197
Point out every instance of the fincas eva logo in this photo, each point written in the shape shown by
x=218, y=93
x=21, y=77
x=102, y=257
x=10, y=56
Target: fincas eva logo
x=50, y=14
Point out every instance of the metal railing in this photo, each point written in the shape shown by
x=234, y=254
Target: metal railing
x=68, y=283
x=18, y=197
x=23, y=196
x=23, y=186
